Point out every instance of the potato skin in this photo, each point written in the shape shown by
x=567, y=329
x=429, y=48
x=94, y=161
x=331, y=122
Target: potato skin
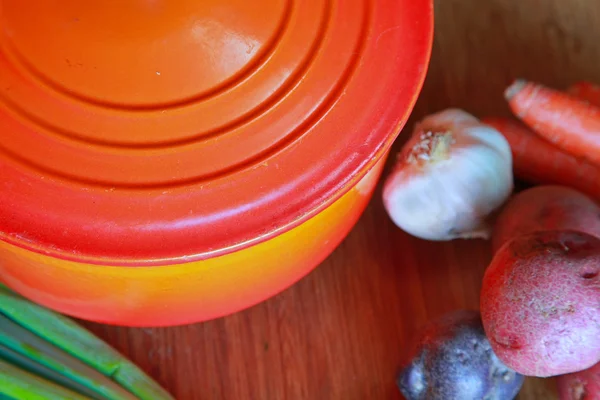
x=540, y=303
x=544, y=208
x=582, y=385
x=452, y=359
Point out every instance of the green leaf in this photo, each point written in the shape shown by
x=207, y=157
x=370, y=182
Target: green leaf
x=18, y=384
x=27, y=344
x=42, y=371
x=73, y=339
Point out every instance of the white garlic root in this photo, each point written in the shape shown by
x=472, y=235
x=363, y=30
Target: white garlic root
x=450, y=176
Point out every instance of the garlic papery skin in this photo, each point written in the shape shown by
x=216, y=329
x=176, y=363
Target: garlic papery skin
x=450, y=176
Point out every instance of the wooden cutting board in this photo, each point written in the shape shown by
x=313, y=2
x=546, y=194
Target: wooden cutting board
x=341, y=331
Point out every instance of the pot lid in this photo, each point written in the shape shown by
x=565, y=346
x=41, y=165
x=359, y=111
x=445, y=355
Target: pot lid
x=152, y=131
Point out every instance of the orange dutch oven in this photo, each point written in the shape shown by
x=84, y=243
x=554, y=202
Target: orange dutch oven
x=168, y=162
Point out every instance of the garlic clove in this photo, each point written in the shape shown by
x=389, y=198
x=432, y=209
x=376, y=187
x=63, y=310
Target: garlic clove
x=449, y=119
x=450, y=176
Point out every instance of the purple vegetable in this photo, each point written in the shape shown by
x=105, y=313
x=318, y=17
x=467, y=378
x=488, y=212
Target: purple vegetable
x=454, y=360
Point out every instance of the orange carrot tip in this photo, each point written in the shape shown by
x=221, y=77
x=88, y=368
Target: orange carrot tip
x=515, y=88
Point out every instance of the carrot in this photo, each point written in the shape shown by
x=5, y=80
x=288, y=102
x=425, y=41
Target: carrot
x=537, y=161
x=564, y=120
x=587, y=91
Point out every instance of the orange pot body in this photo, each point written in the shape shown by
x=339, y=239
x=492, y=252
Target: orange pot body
x=170, y=162
x=187, y=292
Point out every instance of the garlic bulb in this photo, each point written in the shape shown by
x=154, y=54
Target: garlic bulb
x=450, y=176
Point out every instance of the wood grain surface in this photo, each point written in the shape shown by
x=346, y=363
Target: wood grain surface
x=341, y=331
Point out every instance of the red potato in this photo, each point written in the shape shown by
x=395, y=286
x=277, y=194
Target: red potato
x=544, y=208
x=540, y=303
x=582, y=385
